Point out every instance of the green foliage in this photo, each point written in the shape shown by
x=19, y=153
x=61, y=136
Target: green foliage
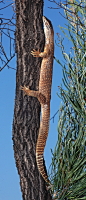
x=68, y=165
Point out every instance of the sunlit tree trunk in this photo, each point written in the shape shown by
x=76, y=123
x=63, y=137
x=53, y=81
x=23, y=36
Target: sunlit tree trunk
x=29, y=34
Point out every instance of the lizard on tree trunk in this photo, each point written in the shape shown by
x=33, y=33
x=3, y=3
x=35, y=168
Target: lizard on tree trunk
x=44, y=93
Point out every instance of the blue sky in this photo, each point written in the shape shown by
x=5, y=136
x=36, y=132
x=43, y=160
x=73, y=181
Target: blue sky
x=9, y=178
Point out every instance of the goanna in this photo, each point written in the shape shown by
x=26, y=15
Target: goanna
x=44, y=93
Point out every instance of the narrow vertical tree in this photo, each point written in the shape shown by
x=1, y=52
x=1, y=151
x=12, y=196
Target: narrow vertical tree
x=29, y=34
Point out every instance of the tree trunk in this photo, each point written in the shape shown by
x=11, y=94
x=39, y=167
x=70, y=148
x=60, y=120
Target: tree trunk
x=29, y=34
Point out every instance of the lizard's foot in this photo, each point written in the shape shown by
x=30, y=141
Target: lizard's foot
x=35, y=53
x=25, y=89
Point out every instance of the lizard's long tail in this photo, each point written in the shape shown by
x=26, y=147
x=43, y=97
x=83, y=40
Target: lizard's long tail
x=42, y=137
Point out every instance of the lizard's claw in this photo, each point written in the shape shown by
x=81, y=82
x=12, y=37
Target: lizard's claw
x=25, y=89
x=35, y=53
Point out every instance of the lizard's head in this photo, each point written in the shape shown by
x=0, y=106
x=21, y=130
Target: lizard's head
x=48, y=28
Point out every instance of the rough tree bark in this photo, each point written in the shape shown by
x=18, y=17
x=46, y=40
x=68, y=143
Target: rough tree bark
x=29, y=34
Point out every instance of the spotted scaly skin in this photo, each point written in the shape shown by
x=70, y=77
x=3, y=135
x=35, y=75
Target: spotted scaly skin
x=44, y=93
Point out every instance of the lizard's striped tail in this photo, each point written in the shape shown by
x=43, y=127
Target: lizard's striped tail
x=39, y=159
x=42, y=137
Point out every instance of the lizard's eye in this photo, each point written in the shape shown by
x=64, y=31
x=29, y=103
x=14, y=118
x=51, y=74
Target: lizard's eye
x=47, y=25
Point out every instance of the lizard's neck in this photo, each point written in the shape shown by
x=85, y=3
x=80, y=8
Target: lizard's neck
x=48, y=40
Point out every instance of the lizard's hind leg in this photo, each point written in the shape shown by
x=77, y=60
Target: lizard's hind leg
x=34, y=93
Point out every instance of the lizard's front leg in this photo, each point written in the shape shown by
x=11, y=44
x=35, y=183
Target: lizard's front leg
x=41, y=54
x=35, y=53
x=33, y=93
